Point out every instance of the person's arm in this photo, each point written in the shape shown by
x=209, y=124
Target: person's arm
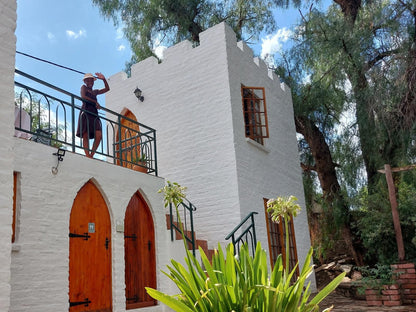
x=106, y=86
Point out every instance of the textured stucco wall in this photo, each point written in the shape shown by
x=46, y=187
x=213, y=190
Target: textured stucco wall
x=40, y=254
x=273, y=169
x=187, y=101
x=193, y=100
x=7, y=61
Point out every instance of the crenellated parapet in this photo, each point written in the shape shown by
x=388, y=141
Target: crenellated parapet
x=217, y=39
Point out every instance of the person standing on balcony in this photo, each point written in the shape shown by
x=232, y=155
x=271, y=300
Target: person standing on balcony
x=89, y=124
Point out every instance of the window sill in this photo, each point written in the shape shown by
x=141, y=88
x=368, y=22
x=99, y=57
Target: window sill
x=258, y=145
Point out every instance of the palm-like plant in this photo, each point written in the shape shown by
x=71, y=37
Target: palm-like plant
x=243, y=283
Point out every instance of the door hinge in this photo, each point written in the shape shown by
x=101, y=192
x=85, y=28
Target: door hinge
x=86, y=302
x=135, y=298
x=133, y=237
x=85, y=236
x=107, y=242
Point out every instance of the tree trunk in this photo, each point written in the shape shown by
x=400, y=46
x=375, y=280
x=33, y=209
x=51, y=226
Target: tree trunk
x=349, y=8
x=325, y=168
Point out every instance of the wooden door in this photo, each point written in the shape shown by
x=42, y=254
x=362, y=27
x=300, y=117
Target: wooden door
x=90, y=283
x=140, y=260
x=129, y=137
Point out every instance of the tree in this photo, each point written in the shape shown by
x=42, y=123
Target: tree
x=317, y=107
x=148, y=24
x=361, y=52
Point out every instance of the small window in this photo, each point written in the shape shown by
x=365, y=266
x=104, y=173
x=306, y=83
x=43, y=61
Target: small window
x=255, y=114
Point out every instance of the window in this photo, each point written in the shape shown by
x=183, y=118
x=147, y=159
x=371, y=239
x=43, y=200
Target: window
x=276, y=233
x=255, y=114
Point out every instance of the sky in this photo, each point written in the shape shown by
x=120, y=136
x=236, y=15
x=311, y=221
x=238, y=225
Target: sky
x=74, y=34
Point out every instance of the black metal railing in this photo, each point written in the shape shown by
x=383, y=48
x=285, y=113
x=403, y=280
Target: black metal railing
x=183, y=216
x=247, y=231
x=51, y=117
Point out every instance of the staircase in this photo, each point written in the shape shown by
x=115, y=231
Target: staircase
x=244, y=232
x=188, y=233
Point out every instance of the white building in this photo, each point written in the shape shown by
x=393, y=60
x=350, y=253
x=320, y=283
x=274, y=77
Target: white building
x=194, y=100
x=73, y=224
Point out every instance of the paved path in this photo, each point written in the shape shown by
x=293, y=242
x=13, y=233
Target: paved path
x=346, y=304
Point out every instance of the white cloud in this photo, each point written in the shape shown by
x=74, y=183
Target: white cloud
x=75, y=35
x=271, y=44
x=119, y=33
x=51, y=36
x=158, y=48
x=159, y=51
x=121, y=47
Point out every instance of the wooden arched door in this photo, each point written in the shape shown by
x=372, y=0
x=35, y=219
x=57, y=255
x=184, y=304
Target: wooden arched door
x=90, y=282
x=128, y=137
x=140, y=256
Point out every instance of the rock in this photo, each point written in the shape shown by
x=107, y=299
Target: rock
x=347, y=268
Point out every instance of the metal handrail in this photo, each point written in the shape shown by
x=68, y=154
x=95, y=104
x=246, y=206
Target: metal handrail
x=51, y=120
x=248, y=232
x=183, y=217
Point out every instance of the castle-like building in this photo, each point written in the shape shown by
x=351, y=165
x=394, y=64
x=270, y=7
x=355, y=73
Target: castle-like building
x=83, y=233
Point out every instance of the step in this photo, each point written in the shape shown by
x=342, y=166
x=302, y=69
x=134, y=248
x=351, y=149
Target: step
x=198, y=242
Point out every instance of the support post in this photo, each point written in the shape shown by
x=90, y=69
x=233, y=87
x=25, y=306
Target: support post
x=395, y=212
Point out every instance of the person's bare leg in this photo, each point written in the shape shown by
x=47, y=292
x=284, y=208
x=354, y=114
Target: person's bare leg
x=97, y=140
x=85, y=144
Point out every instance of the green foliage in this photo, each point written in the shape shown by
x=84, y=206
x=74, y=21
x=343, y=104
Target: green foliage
x=141, y=158
x=406, y=205
x=229, y=283
x=173, y=193
x=352, y=79
x=149, y=24
x=284, y=207
x=375, y=221
x=375, y=277
x=376, y=228
x=243, y=283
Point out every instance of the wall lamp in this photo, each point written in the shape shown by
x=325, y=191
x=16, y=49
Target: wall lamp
x=60, y=154
x=138, y=93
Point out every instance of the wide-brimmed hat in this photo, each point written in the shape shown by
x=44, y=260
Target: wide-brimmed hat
x=89, y=75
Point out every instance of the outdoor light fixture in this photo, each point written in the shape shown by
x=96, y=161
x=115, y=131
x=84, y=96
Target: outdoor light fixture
x=60, y=154
x=138, y=93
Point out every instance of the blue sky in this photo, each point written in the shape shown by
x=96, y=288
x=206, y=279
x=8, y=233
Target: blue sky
x=74, y=34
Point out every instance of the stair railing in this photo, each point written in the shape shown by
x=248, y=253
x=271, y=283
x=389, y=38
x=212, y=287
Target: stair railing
x=248, y=234
x=185, y=209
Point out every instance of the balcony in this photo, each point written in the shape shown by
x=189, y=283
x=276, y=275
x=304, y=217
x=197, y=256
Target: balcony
x=49, y=115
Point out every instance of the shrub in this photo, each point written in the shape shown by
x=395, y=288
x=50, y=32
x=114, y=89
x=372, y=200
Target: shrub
x=243, y=283
x=240, y=284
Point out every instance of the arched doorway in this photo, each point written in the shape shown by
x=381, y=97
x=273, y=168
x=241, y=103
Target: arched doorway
x=128, y=137
x=140, y=256
x=90, y=282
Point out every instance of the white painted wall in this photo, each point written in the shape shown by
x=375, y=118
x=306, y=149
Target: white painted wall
x=273, y=169
x=40, y=254
x=7, y=57
x=187, y=101
x=193, y=100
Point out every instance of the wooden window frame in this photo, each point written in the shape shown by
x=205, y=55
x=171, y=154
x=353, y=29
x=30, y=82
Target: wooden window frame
x=277, y=242
x=255, y=113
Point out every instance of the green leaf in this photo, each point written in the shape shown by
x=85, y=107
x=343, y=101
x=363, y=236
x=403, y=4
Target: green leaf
x=327, y=289
x=176, y=305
